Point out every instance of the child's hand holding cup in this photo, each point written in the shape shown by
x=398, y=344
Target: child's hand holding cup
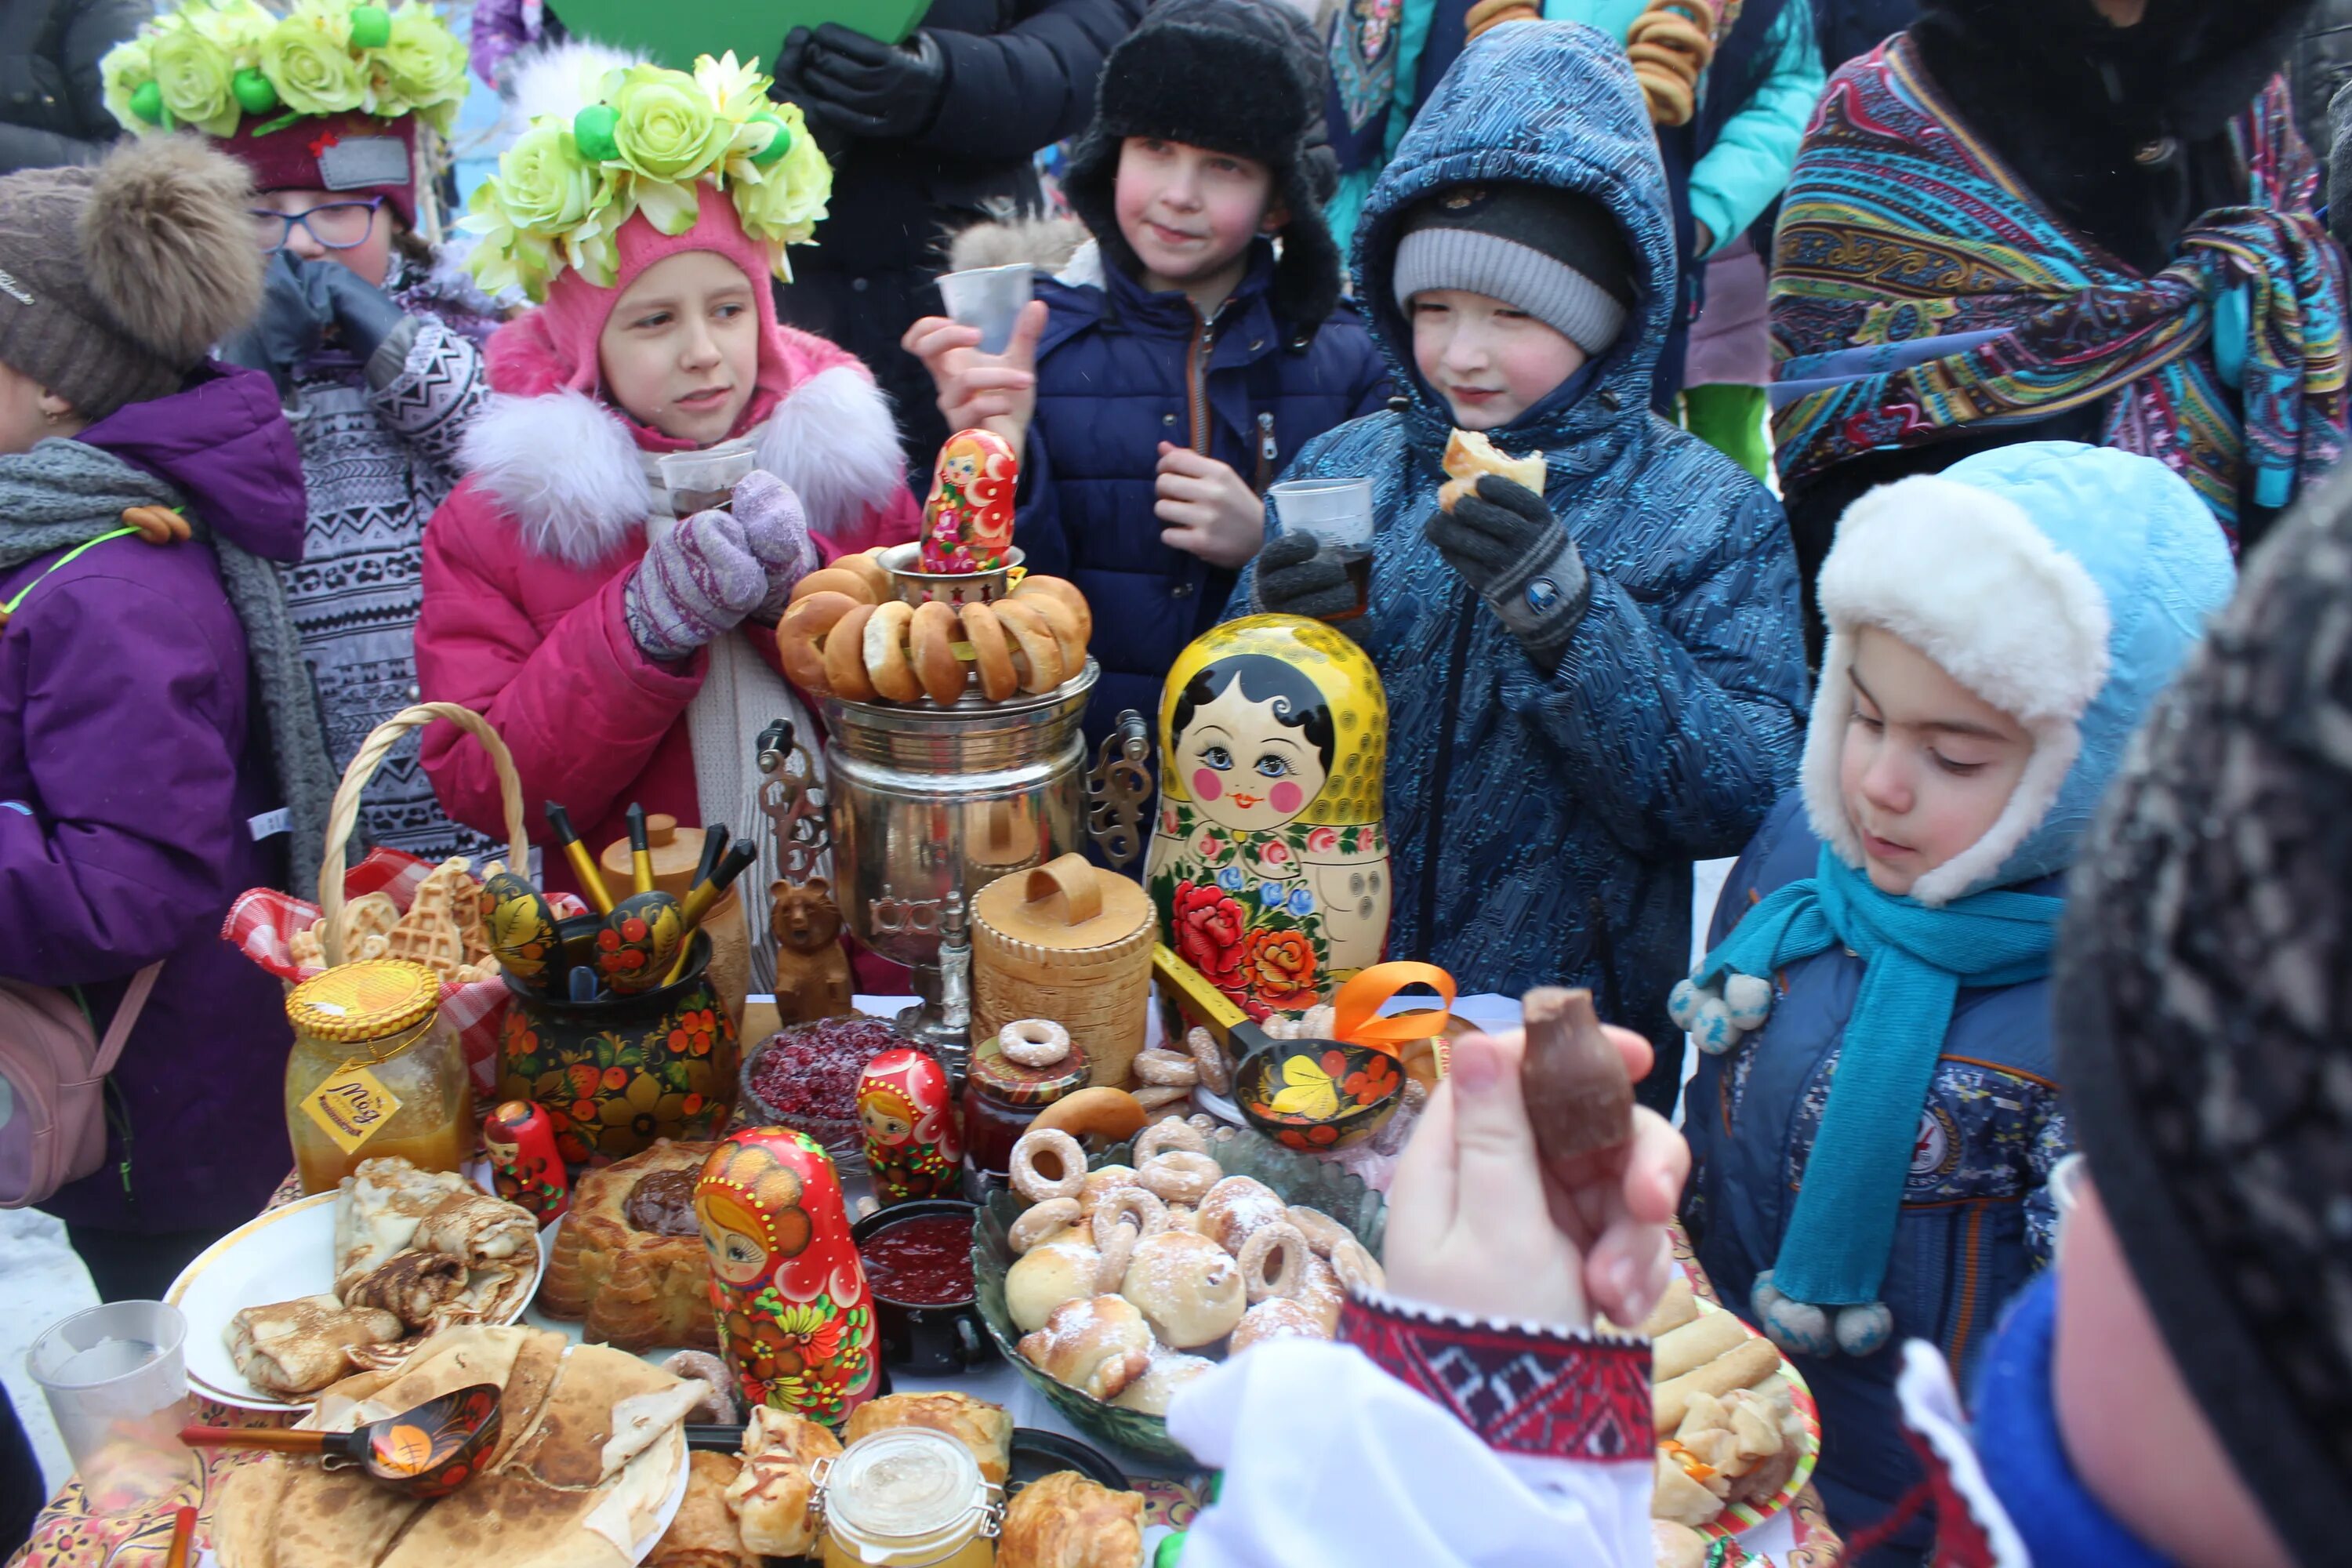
x=983, y=355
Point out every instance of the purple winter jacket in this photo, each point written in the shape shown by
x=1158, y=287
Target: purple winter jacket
x=132, y=754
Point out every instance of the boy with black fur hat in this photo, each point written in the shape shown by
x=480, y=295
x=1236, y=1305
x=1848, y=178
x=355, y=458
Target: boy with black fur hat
x=1167, y=374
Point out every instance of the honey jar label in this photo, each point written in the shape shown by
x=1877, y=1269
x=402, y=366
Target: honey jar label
x=351, y=1105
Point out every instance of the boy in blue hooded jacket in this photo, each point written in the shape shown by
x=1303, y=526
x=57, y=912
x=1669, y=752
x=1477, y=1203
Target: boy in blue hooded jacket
x=1591, y=688
x=1876, y=1111
x=1161, y=380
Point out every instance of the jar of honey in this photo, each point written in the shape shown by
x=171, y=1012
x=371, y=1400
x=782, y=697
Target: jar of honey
x=374, y=1071
x=1000, y=1099
x=908, y=1498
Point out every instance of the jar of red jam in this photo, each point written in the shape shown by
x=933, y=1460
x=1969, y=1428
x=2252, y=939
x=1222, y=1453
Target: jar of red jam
x=1000, y=1097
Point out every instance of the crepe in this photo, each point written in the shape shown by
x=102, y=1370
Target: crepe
x=387, y=1206
x=301, y=1346
x=479, y=1230
x=452, y=1359
x=245, y=1512
x=704, y=1535
x=413, y=1286
x=377, y=1210
x=604, y=1409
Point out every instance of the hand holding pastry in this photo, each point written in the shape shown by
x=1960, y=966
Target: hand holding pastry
x=1475, y=1224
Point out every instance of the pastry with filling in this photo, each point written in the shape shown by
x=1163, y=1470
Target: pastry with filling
x=1065, y=1521
x=629, y=1263
x=294, y=1348
x=772, y=1497
x=986, y=1429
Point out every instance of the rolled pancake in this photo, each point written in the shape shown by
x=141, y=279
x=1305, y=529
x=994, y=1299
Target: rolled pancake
x=704, y=1535
x=411, y=1285
x=479, y=1231
x=605, y=1406
x=378, y=1209
x=301, y=1346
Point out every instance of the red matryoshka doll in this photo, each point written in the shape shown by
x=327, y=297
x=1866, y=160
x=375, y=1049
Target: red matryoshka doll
x=795, y=1315
x=911, y=1131
x=968, y=521
x=520, y=1139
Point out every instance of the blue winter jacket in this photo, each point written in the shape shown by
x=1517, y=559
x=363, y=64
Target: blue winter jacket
x=1542, y=822
x=1977, y=1219
x=1119, y=372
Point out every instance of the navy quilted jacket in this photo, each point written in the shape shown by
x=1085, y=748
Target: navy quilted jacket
x=1120, y=370
x=1543, y=821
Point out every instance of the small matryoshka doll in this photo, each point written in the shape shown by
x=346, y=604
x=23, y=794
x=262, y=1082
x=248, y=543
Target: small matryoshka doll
x=911, y=1131
x=520, y=1139
x=1270, y=867
x=968, y=521
x=795, y=1315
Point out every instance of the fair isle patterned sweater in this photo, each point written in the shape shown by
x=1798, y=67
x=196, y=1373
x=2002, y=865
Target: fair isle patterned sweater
x=377, y=463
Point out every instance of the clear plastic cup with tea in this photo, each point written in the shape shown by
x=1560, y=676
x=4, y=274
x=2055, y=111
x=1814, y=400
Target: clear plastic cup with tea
x=704, y=481
x=118, y=1389
x=1338, y=513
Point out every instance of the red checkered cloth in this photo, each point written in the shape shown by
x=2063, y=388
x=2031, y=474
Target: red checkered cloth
x=264, y=920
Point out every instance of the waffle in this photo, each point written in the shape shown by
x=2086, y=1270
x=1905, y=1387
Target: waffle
x=373, y=915
x=465, y=903
x=428, y=933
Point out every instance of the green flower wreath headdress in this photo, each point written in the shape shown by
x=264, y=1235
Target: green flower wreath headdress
x=650, y=136
x=213, y=63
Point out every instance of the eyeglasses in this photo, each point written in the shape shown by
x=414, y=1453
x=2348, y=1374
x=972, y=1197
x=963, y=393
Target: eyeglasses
x=337, y=225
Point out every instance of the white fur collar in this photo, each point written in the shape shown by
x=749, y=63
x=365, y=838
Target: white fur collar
x=563, y=466
x=1963, y=575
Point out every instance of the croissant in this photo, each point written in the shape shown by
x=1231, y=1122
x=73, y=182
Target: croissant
x=1096, y=1346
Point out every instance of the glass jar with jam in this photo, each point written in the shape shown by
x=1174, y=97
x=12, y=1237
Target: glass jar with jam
x=908, y=1498
x=1000, y=1099
x=374, y=1071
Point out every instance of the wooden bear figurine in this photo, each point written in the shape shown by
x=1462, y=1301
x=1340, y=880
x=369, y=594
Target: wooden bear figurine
x=812, y=966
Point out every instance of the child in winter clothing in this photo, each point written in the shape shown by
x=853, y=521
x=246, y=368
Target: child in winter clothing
x=133, y=751
x=625, y=654
x=374, y=351
x=1877, y=1114
x=1586, y=688
x=1165, y=376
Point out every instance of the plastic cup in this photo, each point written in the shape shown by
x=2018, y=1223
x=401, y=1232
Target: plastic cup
x=118, y=1389
x=2066, y=1186
x=989, y=298
x=1338, y=513
x=699, y=481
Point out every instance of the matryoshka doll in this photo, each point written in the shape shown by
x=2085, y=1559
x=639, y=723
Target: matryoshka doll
x=520, y=1139
x=968, y=521
x=795, y=1314
x=910, y=1131
x=1270, y=866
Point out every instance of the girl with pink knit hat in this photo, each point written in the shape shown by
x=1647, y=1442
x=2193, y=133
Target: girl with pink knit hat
x=625, y=653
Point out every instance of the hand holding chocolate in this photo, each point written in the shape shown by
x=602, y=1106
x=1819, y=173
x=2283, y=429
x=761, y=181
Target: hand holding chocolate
x=1578, y=1097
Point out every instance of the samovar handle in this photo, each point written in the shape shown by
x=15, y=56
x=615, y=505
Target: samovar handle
x=1117, y=786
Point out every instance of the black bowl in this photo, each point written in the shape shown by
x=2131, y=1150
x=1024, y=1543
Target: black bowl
x=937, y=1340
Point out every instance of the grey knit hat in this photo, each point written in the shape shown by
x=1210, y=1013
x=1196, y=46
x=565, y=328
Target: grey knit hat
x=116, y=281
x=1557, y=254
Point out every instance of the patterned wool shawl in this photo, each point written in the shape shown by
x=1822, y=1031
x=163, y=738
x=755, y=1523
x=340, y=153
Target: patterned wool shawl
x=1920, y=286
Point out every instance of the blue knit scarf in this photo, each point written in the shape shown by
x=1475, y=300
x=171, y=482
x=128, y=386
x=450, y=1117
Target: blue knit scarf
x=1915, y=961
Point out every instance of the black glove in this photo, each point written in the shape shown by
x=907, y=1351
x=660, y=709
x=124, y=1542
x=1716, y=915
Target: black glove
x=1506, y=543
x=302, y=302
x=861, y=86
x=1296, y=576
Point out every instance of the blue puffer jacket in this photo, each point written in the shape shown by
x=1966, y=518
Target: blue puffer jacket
x=1543, y=822
x=1978, y=1218
x=1120, y=370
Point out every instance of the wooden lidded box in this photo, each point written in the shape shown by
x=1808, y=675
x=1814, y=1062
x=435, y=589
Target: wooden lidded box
x=1072, y=942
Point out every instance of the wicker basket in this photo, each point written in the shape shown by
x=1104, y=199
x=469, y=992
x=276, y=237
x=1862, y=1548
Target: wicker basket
x=344, y=814
x=1072, y=942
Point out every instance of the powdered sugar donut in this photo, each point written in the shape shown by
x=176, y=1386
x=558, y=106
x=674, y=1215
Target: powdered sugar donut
x=1118, y=1249
x=1322, y=1232
x=1275, y=1317
x=1356, y=1269
x=1104, y=1179
x=1033, y=1042
x=1280, y=1239
x=1043, y=1221
x=1165, y=1067
x=1057, y=1146
x=1172, y=1133
x=1113, y=1207
x=1210, y=1057
x=1237, y=1208
x=1180, y=1177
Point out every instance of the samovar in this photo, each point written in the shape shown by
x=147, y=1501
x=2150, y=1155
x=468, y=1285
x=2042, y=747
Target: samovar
x=929, y=806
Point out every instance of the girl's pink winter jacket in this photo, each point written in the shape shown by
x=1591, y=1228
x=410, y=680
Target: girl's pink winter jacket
x=524, y=568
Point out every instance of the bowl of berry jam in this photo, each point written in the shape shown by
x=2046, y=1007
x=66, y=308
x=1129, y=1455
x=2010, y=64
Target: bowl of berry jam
x=806, y=1077
x=918, y=1260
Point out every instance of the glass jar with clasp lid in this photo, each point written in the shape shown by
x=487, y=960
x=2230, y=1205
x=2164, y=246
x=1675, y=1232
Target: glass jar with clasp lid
x=906, y=1497
x=375, y=1071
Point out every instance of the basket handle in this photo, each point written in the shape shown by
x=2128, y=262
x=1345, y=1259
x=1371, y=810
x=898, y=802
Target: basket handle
x=344, y=814
x=1074, y=879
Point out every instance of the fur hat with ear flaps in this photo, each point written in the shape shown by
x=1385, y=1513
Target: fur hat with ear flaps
x=1240, y=77
x=2062, y=583
x=115, y=281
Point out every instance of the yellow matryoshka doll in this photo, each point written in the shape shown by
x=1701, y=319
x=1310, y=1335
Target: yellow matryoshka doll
x=795, y=1314
x=1270, y=866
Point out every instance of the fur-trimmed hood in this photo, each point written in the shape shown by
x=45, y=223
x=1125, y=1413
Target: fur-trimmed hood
x=567, y=469
x=2064, y=584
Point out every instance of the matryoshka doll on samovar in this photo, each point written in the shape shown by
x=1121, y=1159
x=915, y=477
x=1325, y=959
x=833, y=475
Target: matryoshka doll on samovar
x=1270, y=866
x=912, y=1145
x=795, y=1314
x=968, y=520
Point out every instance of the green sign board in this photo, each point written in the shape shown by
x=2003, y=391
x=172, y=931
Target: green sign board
x=676, y=32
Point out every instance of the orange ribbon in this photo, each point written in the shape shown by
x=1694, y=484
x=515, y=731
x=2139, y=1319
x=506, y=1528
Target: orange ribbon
x=1356, y=1011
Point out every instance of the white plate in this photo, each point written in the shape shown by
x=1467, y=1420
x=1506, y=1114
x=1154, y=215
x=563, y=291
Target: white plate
x=279, y=1256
